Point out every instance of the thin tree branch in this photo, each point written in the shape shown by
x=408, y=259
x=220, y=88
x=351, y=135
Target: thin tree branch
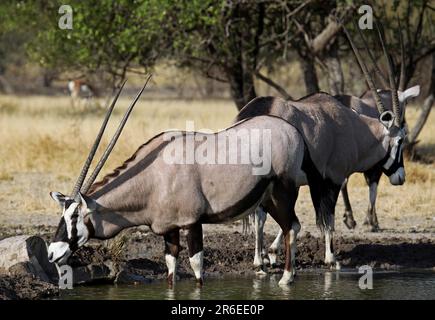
x=274, y=85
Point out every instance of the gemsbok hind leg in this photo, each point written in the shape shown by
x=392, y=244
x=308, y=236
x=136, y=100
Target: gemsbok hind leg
x=281, y=208
x=196, y=251
x=172, y=249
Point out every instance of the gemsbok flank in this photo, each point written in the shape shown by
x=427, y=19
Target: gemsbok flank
x=340, y=141
x=146, y=190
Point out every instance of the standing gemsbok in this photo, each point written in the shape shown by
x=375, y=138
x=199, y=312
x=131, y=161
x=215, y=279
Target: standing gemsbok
x=366, y=105
x=151, y=188
x=340, y=141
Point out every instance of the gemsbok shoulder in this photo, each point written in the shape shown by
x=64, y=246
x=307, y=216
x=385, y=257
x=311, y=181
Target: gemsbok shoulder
x=340, y=141
x=181, y=180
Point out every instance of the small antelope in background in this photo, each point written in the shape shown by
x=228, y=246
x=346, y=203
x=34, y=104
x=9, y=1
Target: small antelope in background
x=81, y=90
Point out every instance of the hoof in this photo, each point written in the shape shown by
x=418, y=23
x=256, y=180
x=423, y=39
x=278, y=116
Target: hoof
x=260, y=271
x=287, y=278
x=330, y=260
x=199, y=283
x=349, y=221
x=272, y=259
x=373, y=228
x=334, y=266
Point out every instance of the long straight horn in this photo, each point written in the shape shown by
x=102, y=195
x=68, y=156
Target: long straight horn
x=112, y=142
x=394, y=96
x=94, y=148
x=402, y=78
x=375, y=65
x=364, y=69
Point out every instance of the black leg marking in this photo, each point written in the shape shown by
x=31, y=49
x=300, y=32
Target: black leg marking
x=194, y=239
x=172, y=247
x=195, y=246
x=372, y=179
x=348, y=218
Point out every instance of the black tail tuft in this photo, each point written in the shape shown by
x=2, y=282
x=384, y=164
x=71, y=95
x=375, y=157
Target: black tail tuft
x=324, y=194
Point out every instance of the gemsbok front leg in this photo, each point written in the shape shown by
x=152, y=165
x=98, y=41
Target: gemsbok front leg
x=172, y=249
x=274, y=248
x=196, y=251
x=372, y=179
x=348, y=219
x=324, y=194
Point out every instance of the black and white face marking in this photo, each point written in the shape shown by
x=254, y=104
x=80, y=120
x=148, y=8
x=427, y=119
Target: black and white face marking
x=72, y=231
x=393, y=165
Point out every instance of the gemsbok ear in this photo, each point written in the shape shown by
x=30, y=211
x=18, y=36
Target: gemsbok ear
x=387, y=119
x=409, y=93
x=86, y=203
x=59, y=198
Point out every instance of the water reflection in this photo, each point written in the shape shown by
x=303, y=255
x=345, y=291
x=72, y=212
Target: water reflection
x=170, y=293
x=327, y=284
x=196, y=293
x=257, y=285
x=307, y=285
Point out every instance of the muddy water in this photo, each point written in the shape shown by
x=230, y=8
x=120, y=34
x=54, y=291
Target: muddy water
x=308, y=285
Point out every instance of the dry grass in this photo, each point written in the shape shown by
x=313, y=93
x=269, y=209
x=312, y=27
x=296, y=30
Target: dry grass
x=42, y=137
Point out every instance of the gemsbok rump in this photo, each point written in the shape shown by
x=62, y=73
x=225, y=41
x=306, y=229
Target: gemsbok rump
x=148, y=189
x=340, y=141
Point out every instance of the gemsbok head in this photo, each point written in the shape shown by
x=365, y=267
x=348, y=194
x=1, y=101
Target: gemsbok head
x=393, y=120
x=74, y=228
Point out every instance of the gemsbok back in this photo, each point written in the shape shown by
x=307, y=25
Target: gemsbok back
x=340, y=141
x=181, y=180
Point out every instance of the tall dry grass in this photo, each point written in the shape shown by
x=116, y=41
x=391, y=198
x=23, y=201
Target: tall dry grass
x=44, y=134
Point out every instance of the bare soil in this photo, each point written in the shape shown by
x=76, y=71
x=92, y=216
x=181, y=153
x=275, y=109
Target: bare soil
x=25, y=287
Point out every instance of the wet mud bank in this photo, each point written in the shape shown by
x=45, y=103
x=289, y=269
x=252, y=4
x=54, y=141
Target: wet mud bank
x=137, y=257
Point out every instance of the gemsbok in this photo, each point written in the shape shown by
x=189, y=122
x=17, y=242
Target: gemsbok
x=366, y=105
x=340, y=141
x=166, y=187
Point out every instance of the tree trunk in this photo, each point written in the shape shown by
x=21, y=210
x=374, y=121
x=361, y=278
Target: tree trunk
x=242, y=87
x=335, y=72
x=48, y=77
x=310, y=76
x=5, y=86
x=424, y=115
